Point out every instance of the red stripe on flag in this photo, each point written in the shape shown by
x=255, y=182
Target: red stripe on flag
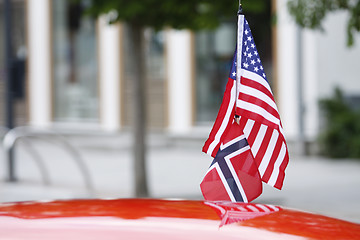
x=253, y=133
x=264, y=144
x=256, y=117
x=273, y=158
x=280, y=179
x=213, y=188
x=262, y=149
x=251, y=83
x=220, y=119
x=260, y=103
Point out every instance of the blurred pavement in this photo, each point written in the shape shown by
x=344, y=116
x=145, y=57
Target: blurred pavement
x=176, y=166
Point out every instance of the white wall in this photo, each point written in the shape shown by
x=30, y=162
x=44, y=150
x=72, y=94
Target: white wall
x=327, y=62
x=338, y=65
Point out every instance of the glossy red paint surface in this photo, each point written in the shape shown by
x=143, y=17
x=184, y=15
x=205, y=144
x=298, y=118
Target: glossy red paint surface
x=306, y=225
x=159, y=219
x=124, y=208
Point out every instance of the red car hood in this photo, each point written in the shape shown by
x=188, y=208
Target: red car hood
x=165, y=219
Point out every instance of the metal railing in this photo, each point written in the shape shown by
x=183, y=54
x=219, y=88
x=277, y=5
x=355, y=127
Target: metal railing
x=11, y=137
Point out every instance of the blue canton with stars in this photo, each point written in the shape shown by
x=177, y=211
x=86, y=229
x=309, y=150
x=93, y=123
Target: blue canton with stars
x=250, y=56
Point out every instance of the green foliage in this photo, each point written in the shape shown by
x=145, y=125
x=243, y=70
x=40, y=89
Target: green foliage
x=311, y=13
x=179, y=14
x=341, y=138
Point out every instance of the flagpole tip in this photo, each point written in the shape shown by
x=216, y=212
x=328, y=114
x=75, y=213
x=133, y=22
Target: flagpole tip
x=240, y=11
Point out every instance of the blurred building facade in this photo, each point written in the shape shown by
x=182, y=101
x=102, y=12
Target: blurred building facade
x=78, y=75
x=19, y=55
x=316, y=62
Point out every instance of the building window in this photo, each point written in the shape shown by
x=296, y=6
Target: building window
x=214, y=52
x=75, y=72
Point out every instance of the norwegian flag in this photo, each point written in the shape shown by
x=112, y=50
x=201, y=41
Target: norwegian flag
x=233, y=175
x=248, y=95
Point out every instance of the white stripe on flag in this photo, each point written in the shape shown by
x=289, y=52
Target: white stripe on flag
x=242, y=209
x=272, y=207
x=252, y=208
x=223, y=179
x=257, y=78
x=248, y=127
x=222, y=146
x=258, y=94
x=263, y=207
x=269, y=151
x=275, y=174
x=258, y=140
x=258, y=110
x=225, y=121
x=281, y=131
x=233, y=172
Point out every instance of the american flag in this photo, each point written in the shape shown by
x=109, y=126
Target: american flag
x=248, y=95
x=236, y=212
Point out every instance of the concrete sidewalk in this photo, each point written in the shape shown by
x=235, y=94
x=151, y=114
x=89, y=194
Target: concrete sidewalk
x=176, y=166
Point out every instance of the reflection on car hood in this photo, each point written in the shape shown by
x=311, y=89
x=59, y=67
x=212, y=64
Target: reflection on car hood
x=165, y=219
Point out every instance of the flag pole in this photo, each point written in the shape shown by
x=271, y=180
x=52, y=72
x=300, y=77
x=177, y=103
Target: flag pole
x=239, y=13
